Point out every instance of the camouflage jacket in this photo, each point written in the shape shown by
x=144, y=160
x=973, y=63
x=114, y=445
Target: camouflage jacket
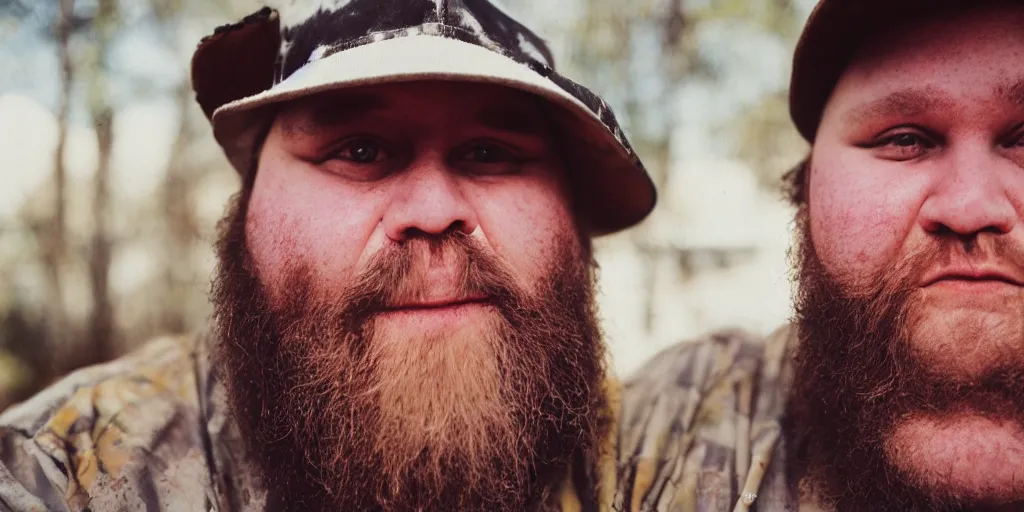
x=150, y=431
x=699, y=428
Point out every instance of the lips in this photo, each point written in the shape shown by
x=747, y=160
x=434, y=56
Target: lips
x=437, y=304
x=979, y=275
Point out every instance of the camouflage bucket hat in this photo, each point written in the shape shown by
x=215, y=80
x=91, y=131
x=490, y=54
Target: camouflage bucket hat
x=241, y=71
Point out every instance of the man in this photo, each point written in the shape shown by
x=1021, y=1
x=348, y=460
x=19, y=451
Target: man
x=900, y=385
x=404, y=314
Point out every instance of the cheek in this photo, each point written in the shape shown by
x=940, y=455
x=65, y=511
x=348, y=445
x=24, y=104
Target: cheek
x=300, y=218
x=524, y=225
x=862, y=211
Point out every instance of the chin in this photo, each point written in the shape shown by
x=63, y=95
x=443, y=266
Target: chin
x=451, y=326
x=962, y=454
x=964, y=344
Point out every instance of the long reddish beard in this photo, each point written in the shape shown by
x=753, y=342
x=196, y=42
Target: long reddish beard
x=857, y=376
x=343, y=415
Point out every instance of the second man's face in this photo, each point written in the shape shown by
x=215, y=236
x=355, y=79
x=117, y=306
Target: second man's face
x=919, y=162
x=912, y=264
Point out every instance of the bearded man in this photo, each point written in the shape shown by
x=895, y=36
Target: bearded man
x=404, y=315
x=900, y=385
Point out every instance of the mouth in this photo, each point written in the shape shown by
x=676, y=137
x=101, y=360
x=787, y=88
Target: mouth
x=429, y=316
x=438, y=305
x=973, y=278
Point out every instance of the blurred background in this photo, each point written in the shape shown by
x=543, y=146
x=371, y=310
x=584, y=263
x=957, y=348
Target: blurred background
x=111, y=183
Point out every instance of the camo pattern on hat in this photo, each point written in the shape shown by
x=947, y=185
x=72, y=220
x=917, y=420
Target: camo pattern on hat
x=337, y=25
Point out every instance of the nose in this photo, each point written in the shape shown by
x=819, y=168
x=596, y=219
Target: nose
x=972, y=197
x=428, y=201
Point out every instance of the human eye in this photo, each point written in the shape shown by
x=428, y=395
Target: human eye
x=489, y=157
x=902, y=144
x=361, y=158
x=359, y=150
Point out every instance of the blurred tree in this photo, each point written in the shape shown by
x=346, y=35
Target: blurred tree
x=181, y=233
x=100, y=329
x=640, y=55
x=178, y=210
x=53, y=238
x=766, y=139
x=636, y=56
x=21, y=368
x=41, y=334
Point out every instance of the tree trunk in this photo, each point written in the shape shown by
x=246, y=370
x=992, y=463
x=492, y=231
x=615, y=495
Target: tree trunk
x=101, y=321
x=54, y=237
x=179, y=218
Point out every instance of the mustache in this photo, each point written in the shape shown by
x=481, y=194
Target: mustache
x=938, y=254
x=396, y=275
x=982, y=250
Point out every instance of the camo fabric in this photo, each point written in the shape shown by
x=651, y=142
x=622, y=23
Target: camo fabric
x=699, y=428
x=150, y=431
x=144, y=432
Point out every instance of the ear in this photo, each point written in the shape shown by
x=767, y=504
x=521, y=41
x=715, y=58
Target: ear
x=237, y=60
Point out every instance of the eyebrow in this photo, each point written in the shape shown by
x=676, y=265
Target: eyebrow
x=903, y=103
x=326, y=113
x=1012, y=92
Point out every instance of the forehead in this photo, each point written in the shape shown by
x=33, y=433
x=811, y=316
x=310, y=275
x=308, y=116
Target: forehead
x=973, y=57
x=435, y=103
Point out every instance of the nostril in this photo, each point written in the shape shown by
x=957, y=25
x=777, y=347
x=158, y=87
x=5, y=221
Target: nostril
x=414, y=232
x=942, y=231
x=995, y=230
x=458, y=226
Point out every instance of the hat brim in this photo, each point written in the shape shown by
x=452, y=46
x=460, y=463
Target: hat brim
x=613, y=191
